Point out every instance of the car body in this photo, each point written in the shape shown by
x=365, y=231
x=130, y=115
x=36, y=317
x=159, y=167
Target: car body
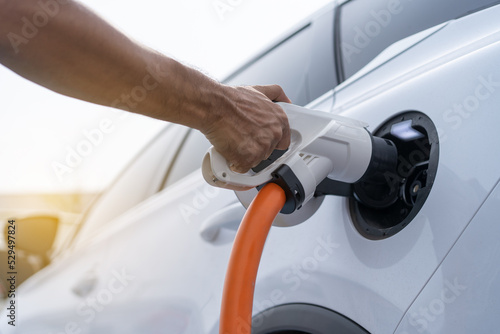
x=156, y=269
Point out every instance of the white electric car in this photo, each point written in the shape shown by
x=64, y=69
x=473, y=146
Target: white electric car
x=416, y=255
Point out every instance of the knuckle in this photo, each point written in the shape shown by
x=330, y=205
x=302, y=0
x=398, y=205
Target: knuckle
x=277, y=133
x=284, y=118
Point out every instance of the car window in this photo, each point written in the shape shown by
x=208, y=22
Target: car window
x=366, y=27
x=188, y=158
x=301, y=63
x=139, y=180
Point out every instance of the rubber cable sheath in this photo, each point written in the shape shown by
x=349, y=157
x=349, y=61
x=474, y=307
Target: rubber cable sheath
x=239, y=284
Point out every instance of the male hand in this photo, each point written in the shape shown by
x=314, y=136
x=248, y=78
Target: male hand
x=249, y=126
x=243, y=123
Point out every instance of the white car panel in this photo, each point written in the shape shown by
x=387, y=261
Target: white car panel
x=462, y=295
x=451, y=42
x=151, y=270
x=143, y=178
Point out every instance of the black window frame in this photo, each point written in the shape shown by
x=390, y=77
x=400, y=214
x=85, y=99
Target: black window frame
x=337, y=35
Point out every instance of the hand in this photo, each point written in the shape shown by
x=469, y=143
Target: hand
x=249, y=126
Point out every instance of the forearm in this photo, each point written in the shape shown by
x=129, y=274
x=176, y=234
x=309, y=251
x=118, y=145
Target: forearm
x=78, y=54
x=69, y=49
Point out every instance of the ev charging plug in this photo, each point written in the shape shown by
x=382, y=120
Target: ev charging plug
x=327, y=152
x=325, y=149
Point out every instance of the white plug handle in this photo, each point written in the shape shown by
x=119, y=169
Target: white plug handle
x=321, y=142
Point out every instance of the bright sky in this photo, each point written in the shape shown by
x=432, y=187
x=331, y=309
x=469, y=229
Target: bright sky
x=40, y=129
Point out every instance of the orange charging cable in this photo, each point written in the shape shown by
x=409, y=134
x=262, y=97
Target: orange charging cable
x=237, y=298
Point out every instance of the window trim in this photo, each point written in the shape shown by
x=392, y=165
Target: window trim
x=339, y=62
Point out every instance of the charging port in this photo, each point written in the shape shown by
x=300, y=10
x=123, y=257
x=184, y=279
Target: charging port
x=383, y=208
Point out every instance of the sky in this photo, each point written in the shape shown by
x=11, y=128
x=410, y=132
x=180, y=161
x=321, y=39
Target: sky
x=41, y=131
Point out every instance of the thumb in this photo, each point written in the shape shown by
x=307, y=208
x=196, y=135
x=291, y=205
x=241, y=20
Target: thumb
x=273, y=92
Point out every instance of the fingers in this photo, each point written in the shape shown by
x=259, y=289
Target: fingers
x=249, y=155
x=252, y=127
x=280, y=138
x=284, y=143
x=273, y=92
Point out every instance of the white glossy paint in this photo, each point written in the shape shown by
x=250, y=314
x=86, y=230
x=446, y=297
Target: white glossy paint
x=151, y=269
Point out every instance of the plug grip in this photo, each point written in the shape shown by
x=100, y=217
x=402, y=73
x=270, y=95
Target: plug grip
x=272, y=158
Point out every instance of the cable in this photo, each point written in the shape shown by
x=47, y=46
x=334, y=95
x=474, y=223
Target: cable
x=237, y=298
